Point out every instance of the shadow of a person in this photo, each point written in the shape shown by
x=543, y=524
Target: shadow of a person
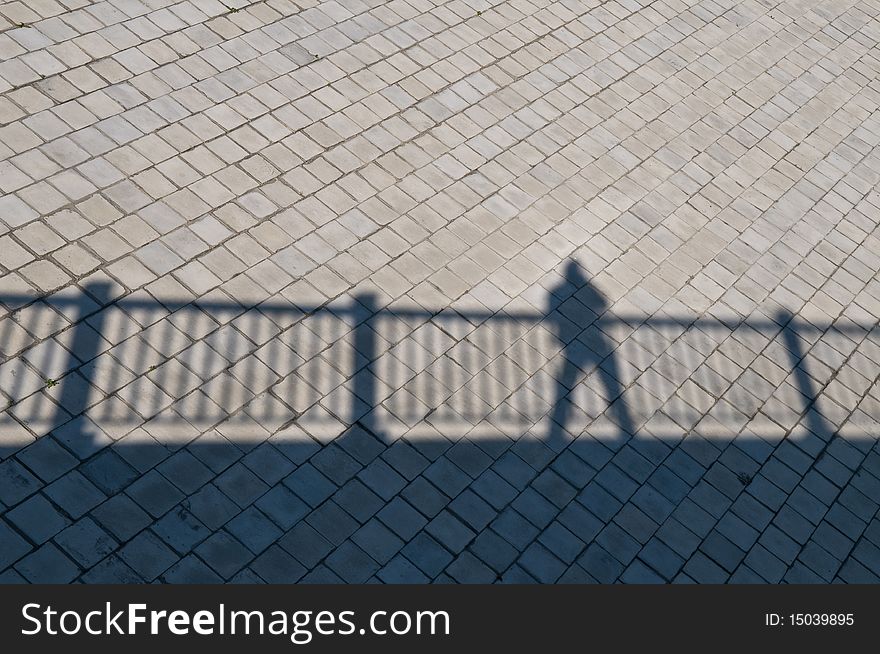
x=587, y=304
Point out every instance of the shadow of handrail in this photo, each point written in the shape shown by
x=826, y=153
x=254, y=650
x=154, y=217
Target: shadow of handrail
x=575, y=296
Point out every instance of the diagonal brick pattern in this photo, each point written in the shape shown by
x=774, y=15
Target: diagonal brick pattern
x=439, y=291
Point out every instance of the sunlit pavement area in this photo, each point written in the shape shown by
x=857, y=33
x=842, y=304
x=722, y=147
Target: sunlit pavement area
x=426, y=291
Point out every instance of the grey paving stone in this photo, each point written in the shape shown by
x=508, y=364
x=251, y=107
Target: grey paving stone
x=305, y=544
x=661, y=559
x=332, y=522
x=580, y=522
x=679, y=538
x=601, y=565
x=576, y=575
x=616, y=482
x=554, y=488
x=86, y=543
x=780, y=544
x=241, y=485
x=793, y=524
x=425, y=497
x=13, y=545
x=47, y=565
x=450, y=532
x=181, y=530
x=112, y=570
x=599, y=501
x=800, y=574
x=405, y=460
x=224, y=554
x=639, y=573
x=154, y=493
x=277, y=566
x=147, y=555
x=74, y=494
x=310, y=485
x=692, y=516
x=751, y=511
x=379, y=542
x=830, y=539
x=12, y=577
x=358, y=500
x=109, y=472
x=427, y=554
x=517, y=575
x=246, y=576
x=766, y=493
x=709, y=499
x=47, y=459
x=283, y=507
x=401, y=571
x=617, y=541
x=16, y=482
x=254, y=529
x=635, y=523
x=855, y=502
x=654, y=505
x=745, y=575
x=447, y=477
x=852, y=572
x=190, y=570
x=737, y=531
x=321, y=575
x=402, y=518
x=211, y=506
x=494, y=489
x=468, y=569
x=703, y=570
x=573, y=469
x=868, y=554
x=335, y=464
x=541, y=564
x=494, y=551
x=764, y=563
x=514, y=528
x=535, y=508
x=513, y=470
x=38, y=519
x=351, y=563
x=807, y=505
x=722, y=551
x=121, y=517
x=185, y=471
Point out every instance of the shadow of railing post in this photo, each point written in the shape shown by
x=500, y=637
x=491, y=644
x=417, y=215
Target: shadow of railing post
x=363, y=400
x=814, y=420
x=85, y=346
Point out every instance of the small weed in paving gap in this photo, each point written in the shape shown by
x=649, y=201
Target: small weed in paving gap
x=50, y=382
x=744, y=479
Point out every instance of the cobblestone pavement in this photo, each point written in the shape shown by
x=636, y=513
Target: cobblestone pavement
x=428, y=290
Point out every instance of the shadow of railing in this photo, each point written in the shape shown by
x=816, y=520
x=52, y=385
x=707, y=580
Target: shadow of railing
x=327, y=369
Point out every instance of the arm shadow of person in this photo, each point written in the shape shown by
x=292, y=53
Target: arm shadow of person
x=576, y=301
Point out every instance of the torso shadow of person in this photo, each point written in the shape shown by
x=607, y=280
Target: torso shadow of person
x=577, y=358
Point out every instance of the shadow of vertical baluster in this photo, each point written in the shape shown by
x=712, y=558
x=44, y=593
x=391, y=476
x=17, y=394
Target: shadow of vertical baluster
x=814, y=420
